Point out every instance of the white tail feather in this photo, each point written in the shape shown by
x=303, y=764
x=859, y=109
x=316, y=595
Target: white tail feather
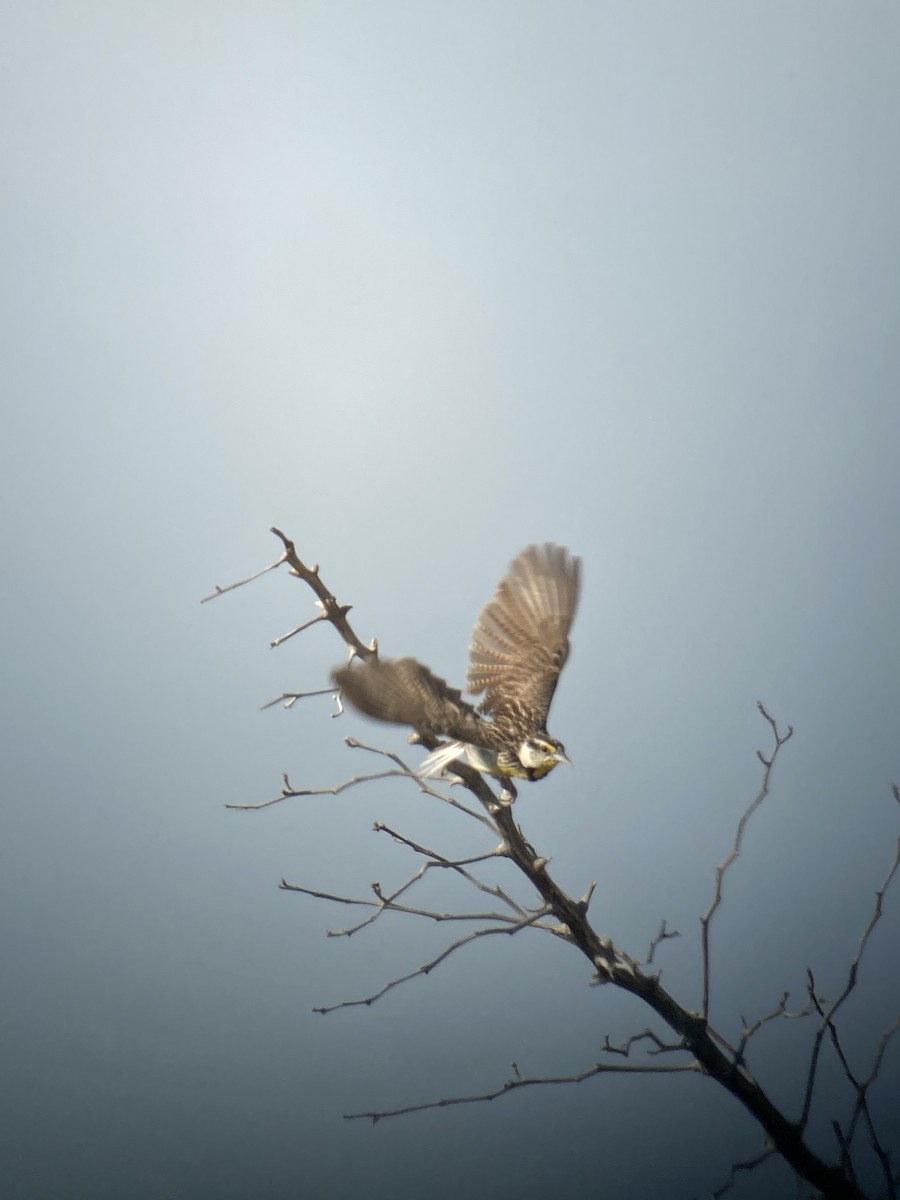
x=435, y=763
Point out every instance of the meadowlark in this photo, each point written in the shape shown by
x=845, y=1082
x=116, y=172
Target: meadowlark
x=519, y=647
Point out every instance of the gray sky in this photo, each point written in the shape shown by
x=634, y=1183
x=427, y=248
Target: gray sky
x=422, y=283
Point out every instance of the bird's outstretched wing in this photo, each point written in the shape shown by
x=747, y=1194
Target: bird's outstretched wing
x=405, y=692
x=521, y=639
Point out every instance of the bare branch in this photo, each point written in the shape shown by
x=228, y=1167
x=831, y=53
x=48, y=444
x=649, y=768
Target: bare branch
x=662, y=936
x=768, y=764
x=424, y=787
x=879, y=1056
x=520, y=1081
x=402, y=772
x=385, y=903
x=331, y=610
x=660, y=1047
x=428, y=967
x=861, y=1107
x=388, y=904
x=828, y=1013
x=220, y=591
x=711, y=1053
x=749, y=1164
x=289, y=699
x=290, y=793
x=438, y=860
x=284, y=637
x=780, y=1010
x=846, y=1160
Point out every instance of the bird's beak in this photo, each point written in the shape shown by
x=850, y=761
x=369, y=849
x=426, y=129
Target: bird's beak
x=562, y=758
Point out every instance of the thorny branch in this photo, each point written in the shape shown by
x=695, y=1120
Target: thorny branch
x=711, y=1053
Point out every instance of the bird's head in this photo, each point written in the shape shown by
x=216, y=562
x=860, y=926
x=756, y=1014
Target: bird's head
x=540, y=753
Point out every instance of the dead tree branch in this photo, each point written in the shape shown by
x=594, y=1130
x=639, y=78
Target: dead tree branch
x=721, y=869
x=427, y=968
x=828, y=1013
x=289, y=699
x=745, y=1167
x=566, y=917
x=663, y=935
x=520, y=1081
x=658, y=1046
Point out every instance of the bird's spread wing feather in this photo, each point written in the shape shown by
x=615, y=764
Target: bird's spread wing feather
x=521, y=639
x=405, y=692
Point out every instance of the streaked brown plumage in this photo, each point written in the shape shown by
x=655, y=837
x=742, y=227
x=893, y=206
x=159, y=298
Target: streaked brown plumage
x=519, y=647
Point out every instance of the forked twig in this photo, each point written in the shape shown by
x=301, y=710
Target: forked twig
x=389, y=904
x=457, y=865
x=424, y=786
x=780, y=1010
x=663, y=935
x=427, y=968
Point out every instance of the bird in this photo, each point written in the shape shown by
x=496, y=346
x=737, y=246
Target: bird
x=519, y=647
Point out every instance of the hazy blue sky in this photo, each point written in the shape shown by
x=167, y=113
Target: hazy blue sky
x=422, y=283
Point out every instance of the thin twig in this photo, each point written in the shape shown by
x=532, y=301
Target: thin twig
x=768, y=764
x=220, y=591
x=458, y=865
x=385, y=903
x=780, y=1010
x=660, y=1047
x=291, y=793
x=424, y=787
x=861, y=1107
x=289, y=699
x=828, y=1013
x=662, y=936
x=388, y=904
x=846, y=1159
x=520, y=1081
x=428, y=967
x=285, y=637
x=749, y=1164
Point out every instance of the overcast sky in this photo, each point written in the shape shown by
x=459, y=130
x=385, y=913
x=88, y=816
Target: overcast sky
x=422, y=283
